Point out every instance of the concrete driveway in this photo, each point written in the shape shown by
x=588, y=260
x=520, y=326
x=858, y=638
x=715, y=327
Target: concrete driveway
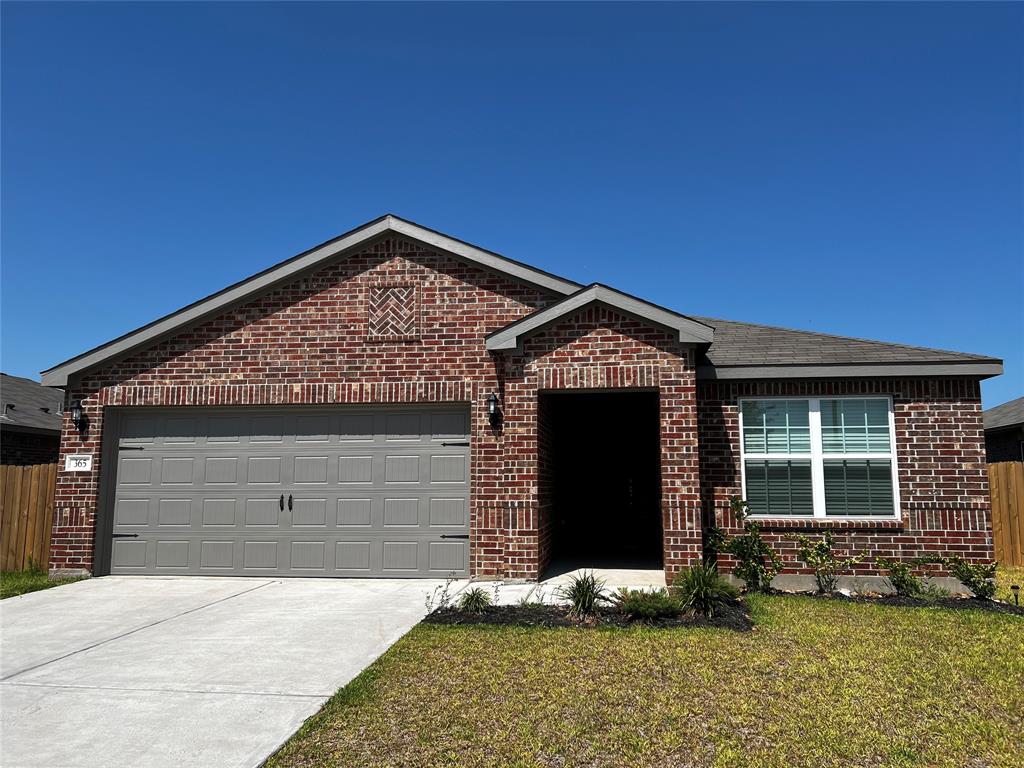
x=160, y=671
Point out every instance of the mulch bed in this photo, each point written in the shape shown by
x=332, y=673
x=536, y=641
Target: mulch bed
x=735, y=616
x=949, y=603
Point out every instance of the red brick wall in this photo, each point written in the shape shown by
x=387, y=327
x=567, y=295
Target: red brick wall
x=308, y=342
x=598, y=349
x=940, y=453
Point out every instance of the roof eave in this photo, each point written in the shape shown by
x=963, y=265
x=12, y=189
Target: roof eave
x=975, y=369
x=688, y=331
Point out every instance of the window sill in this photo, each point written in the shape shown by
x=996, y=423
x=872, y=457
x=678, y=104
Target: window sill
x=824, y=523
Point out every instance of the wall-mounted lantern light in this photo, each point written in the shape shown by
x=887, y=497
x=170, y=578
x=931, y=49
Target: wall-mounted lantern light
x=493, y=412
x=77, y=415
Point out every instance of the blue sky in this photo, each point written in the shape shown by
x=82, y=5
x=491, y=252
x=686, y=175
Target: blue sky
x=855, y=169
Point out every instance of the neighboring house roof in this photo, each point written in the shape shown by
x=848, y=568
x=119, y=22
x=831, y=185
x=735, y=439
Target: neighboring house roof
x=737, y=350
x=746, y=350
x=688, y=329
x=1005, y=416
x=28, y=406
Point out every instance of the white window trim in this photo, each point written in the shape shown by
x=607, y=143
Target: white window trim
x=817, y=457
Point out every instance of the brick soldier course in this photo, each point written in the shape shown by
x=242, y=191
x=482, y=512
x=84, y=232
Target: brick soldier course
x=394, y=313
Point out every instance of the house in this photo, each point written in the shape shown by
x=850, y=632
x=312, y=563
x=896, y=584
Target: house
x=397, y=402
x=1004, y=431
x=30, y=421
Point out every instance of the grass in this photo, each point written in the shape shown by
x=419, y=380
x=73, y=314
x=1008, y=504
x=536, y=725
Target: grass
x=14, y=583
x=816, y=684
x=1005, y=576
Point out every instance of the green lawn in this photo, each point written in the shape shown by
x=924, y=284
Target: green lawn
x=816, y=684
x=13, y=583
x=1006, y=576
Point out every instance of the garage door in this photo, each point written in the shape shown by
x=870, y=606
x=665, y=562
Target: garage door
x=333, y=492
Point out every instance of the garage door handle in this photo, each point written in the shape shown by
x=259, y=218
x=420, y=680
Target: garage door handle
x=289, y=502
x=454, y=535
x=130, y=448
x=449, y=445
x=280, y=502
x=125, y=536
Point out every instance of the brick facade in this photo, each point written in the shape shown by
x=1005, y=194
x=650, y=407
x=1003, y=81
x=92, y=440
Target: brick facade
x=940, y=455
x=402, y=323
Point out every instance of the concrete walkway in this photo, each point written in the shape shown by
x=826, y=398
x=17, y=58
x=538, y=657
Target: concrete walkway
x=163, y=671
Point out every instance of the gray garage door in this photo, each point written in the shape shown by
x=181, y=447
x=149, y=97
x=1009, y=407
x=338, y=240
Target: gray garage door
x=334, y=492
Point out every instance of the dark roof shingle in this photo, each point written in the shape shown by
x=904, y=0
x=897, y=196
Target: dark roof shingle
x=747, y=344
x=1009, y=414
x=28, y=404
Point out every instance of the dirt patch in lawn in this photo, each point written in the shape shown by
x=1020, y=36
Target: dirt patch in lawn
x=735, y=616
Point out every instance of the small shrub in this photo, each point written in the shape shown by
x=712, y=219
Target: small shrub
x=702, y=589
x=819, y=556
x=645, y=604
x=757, y=561
x=902, y=578
x=474, y=600
x=977, y=577
x=584, y=592
x=932, y=593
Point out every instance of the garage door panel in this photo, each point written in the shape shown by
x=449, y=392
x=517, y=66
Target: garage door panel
x=353, y=513
x=448, y=513
x=219, y=512
x=372, y=492
x=262, y=512
x=132, y=512
x=217, y=555
x=446, y=556
x=174, y=513
x=309, y=512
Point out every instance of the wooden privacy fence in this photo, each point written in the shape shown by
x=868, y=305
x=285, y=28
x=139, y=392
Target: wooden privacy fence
x=26, y=515
x=1006, y=484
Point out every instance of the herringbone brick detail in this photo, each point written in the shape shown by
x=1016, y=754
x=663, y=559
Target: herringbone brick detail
x=392, y=312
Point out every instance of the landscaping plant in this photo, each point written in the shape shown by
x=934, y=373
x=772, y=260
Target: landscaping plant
x=757, y=563
x=474, y=600
x=819, y=556
x=977, y=577
x=647, y=604
x=702, y=589
x=902, y=578
x=441, y=597
x=583, y=593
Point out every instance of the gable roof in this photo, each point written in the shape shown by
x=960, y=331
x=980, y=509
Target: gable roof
x=688, y=330
x=1004, y=416
x=747, y=351
x=350, y=242
x=736, y=350
x=28, y=406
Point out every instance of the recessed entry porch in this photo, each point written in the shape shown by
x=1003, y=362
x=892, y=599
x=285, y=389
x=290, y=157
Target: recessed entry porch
x=600, y=485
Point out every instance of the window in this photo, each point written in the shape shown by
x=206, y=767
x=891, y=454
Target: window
x=821, y=457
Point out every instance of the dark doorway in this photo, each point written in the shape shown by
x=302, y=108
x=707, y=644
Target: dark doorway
x=600, y=478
